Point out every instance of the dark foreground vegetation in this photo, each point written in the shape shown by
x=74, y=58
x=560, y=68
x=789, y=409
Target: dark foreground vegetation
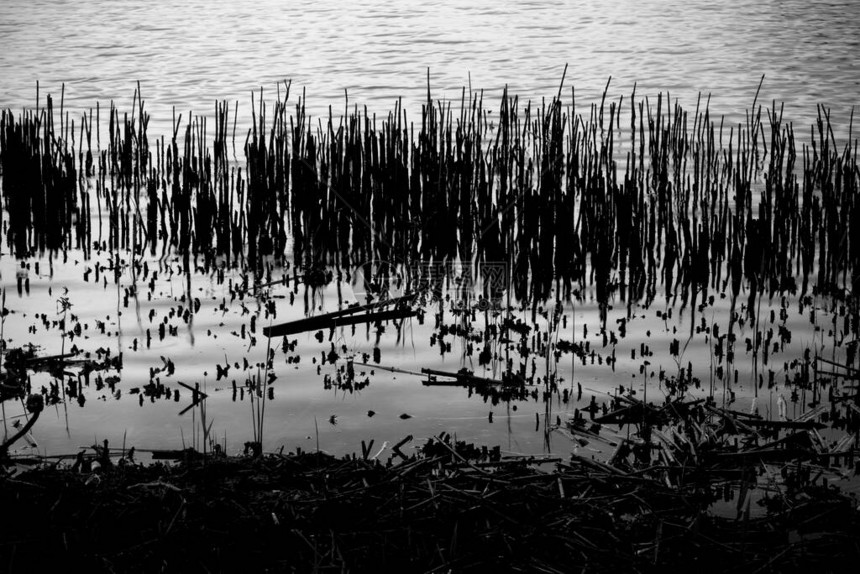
x=451, y=508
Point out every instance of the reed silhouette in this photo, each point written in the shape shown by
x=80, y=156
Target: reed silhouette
x=624, y=203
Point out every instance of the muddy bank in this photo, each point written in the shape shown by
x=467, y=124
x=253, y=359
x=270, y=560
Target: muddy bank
x=450, y=508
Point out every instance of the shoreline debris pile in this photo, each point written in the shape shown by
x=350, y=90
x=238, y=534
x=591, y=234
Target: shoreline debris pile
x=449, y=506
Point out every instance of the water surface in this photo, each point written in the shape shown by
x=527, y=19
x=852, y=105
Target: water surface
x=188, y=55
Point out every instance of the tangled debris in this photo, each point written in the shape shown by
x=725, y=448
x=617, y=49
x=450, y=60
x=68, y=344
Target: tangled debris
x=449, y=507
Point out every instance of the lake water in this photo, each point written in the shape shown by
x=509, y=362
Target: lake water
x=188, y=55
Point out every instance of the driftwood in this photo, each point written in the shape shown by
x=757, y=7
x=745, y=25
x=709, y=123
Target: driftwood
x=461, y=378
x=343, y=317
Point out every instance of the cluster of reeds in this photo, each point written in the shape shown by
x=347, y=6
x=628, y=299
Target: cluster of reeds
x=43, y=180
x=567, y=200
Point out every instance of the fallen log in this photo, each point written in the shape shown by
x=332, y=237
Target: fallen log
x=462, y=378
x=342, y=317
x=390, y=369
x=851, y=370
x=34, y=360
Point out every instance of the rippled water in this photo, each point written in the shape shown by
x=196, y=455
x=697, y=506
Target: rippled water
x=189, y=54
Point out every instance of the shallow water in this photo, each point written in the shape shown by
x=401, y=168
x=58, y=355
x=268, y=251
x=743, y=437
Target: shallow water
x=301, y=411
x=188, y=55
